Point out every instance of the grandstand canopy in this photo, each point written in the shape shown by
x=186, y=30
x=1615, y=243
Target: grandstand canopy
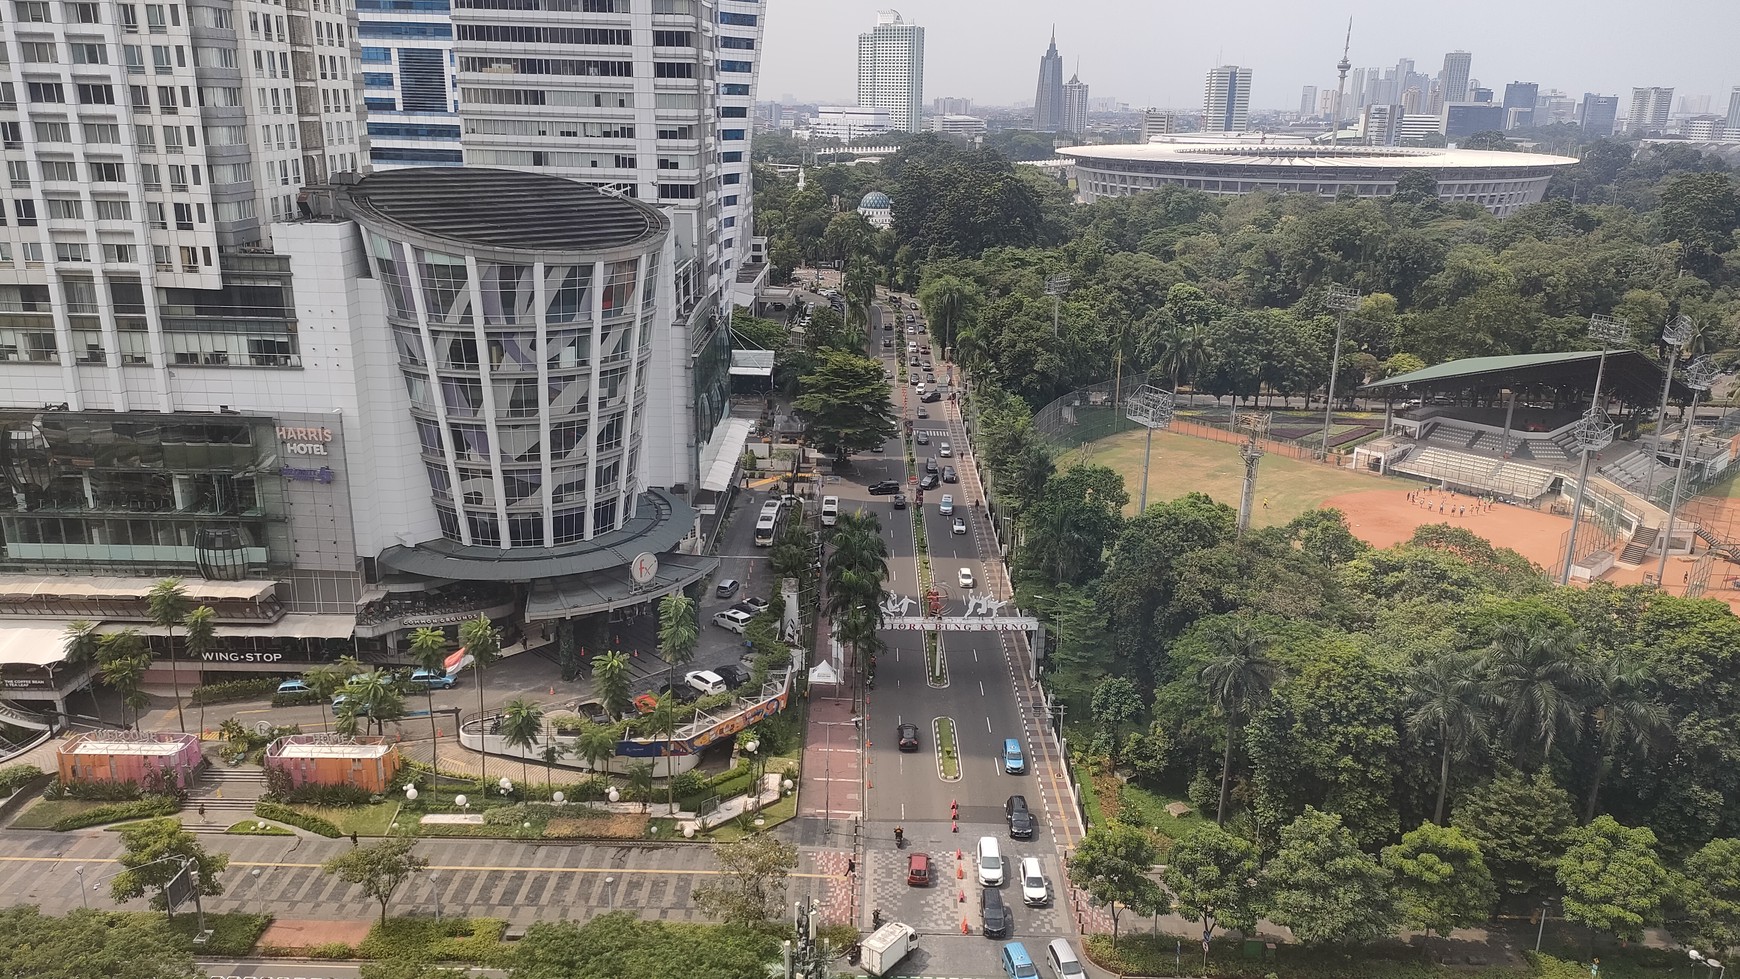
x=1559, y=378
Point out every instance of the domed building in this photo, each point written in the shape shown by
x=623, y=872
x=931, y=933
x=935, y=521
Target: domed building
x=877, y=209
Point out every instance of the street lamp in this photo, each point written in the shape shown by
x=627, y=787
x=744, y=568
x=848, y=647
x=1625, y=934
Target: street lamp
x=610, y=892
x=1699, y=375
x=254, y=874
x=435, y=889
x=1343, y=300
x=1675, y=335
x=1593, y=433
x=83, y=895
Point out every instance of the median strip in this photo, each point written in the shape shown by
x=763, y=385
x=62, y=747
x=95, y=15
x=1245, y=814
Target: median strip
x=948, y=754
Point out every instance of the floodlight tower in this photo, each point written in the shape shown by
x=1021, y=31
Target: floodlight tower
x=1055, y=287
x=1699, y=375
x=1594, y=432
x=1341, y=86
x=1152, y=409
x=1675, y=335
x=1343, y=300
x=1254, y=424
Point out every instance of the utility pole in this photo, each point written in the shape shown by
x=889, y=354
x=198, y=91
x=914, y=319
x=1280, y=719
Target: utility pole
x=1674, y=336
x=1698, y=376
x=1152, y=408
x=1055, y=287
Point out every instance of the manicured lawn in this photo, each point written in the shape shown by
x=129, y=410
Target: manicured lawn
x=47, y=812
x=1153, y=805
x=372, y=820
x=774, y=814
x=947, y=748
x=256, y=827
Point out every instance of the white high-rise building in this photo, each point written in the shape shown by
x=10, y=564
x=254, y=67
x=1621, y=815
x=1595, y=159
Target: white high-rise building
x=891, y=70
x=1226, y=100
x=1733, y=123
x=1308, y=101
x=1452, y=80
x=1649, y=109
x=1075, y=106
x=1158, y=122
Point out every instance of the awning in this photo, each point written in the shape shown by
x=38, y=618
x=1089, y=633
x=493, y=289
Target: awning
x=752, y=363
x=293, y=625
x=32, y=642
x=19, y=588
x=601, y=591
x=719, y=458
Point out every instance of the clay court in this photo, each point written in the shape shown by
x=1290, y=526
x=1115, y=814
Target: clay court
x=1383, y=517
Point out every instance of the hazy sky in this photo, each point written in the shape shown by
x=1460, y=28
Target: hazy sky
x=1155, y=52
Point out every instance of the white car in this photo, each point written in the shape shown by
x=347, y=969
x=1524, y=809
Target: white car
x=1035, y=890
x=960, y=527
x=705, y=681
x=990, y=861
x=947, y=506
x=965, y=578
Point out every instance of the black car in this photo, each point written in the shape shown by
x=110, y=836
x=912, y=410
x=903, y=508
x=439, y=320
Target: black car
x=921, y=438
x=930, y=467
x=907, y=736
x=733, y=674
x=930, y=481
x=1020, y=818
x=931, y=397
x=754, y=606
x=994, y=913
x=886, y=487
x=900, y=501
x=682, y=693
x=949, y=476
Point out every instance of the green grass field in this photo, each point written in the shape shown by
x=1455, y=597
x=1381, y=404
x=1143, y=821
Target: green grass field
x=1182, y=464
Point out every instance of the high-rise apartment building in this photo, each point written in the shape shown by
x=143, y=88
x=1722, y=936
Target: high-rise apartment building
x=1733, y=122
x=409, y=82
x=1598, y=114
x=1157, y=122
x=1521, y=96
x=1381, y=124
x=1048, y=97
x=1308, y=101
x=1226, y=100
x=1075, y=106
x=1650, y=108
x=1452, y=80
x=891, y=69
x=947, y=106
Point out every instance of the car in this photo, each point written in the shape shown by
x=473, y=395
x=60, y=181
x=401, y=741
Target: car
x=931, y=467
x=946, y=506
x=906, y=735
x=900, y=501
x=912, y=331
x=994, y=916
x=887, y=342
x=1035, y=889
x=929, y=481
x=1017, y=964
x=911, y=318
x=921, y=438
x=923, y=414
x=965, y=577
x=1019, y=816
x=830, y=510
x=945, y=450
x=1014, y=761
x=682, y=693
x=918, y=870
x=916, y=381
x=990, y=860
x=887, y=375
x=733, y=674
x=339, y=700
x=733, y=620
x=932, y=398
x=754, y=606
x=960, y=527
x=432, y=679
x=726, y=588
x=295, y=686
x=705, y=681
x=887, y=326
x=886, y=487
x=921, y=327
x=924, y=348
x=949, y=476
x=1065, y=964
x=913, y=362
x=926, y=366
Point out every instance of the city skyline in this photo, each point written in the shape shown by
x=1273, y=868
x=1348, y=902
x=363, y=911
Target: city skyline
x=1158, y=56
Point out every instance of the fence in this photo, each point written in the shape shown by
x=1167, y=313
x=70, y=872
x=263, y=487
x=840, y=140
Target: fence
x=1091, y=413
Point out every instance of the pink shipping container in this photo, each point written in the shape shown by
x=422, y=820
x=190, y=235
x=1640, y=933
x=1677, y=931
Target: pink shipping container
x=367, y=763
x=129, y=756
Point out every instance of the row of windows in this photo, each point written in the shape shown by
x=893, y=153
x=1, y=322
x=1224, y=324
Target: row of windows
x=737, y=20
x=393, y=30
x=549, y=66
x=394, y=130
x=558, y=6
x=404, y=6
x=518, y=34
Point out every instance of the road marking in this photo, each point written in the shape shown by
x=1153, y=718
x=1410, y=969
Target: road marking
x=981, y=688
x=988, y=725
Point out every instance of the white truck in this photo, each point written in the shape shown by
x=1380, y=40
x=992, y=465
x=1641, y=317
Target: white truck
x=884, y=949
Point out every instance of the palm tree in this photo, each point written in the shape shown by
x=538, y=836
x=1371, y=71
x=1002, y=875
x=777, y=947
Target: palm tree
x=522, y=722
x=1623, y=716
x=345, y=720
x=325, y=681
x=429, y=649
x=859, y=285
x=1183, y=346
x=551, y=753
x=201, y=626
x=640, y=782
x=165, y=605
x=373, y=693
x=123, y=662
x=947, y=301
x=596, y=743
x=679, y=631
x=483, y=644
x=610, y=679
x=663, y=721
x=1448, y=702
x=1238, y=681
x=1539, y=683
x=80, y=645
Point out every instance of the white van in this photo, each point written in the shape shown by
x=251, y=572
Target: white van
x=734, y=619
x=705, y=682
x=830, y=510
x=990, y=862
x=1063, y=960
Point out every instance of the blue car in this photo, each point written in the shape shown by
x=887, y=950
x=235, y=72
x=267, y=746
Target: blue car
x=433, y=680
x=1014, y=762
x=294, y=686
x=340, y=700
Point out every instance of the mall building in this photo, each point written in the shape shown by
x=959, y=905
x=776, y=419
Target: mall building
x=442, y=392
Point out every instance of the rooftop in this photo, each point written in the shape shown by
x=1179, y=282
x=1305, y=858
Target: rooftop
x=1286, y=151
x=507, y=209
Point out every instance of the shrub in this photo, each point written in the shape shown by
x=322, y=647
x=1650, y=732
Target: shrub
x=689, y=783
x=306, y=698
x=232, y=934
x=230, y=690
x=473, y=940
x=97, y=791
x=15, y=777
x=314, y=793
x=280, y=813
x=150, y=807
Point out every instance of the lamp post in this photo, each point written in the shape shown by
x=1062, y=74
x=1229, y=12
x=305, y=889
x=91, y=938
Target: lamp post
x=1698, y=376
x=1594, y=432
x=1675, y=335
x=1151, y=408
x=435, y=890
x=610, y=892
x=254, y=890
x=1343, y=300
x=84, y=895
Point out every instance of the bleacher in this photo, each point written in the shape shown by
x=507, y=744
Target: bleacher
x=1630, y=470
x=1505, y=478
x=1452, y=435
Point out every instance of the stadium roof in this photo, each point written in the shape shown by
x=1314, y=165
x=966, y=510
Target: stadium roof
x=1630, y=376
x=1280, y=151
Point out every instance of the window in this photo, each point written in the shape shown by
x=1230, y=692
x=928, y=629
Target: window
x=40, y=52
x=118, y=254
x=65, y=209
x=206, y=57
x=72, y=251
x=737, y=43
x=733, y=88
x=46, y=92
x=12, y=134
x=129, y=18
x=141, y=97
x=18, y=172
x=96, y=94
x=26, y=212
x=166, y=97
x=114, y=211
x=108, y=173
x=83, y=13
x=160, y=59
x=90, y=54
x=60, y=170
x=33, y=11
x=731, y=134
x=738, y=20
x=673, y=69
x=52, y=132
x=685, y=192
x=102, y=132
x=177, y=177
x=673, y=39
x=171, y=139
x=405, y=31
x=184, y=217
x=733, y=112
x=730, y=200
x=739, y=67
x=732, y=156
x=377, y=56
x=732, y=178
x=152, y=176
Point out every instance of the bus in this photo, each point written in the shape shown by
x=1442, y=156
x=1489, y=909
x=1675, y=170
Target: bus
x=767, y=524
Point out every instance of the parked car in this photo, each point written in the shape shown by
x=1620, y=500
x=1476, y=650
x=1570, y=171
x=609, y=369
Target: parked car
x=433, y=679
x=994, y=916
x=887, y=341
x=733, y=619
x=754, y=606
x=886, y=487
x=965, y=578
x=682, y=693
x=907, y=737
x=990, y=860
x=922, y=414
x=726, y=588
x=929, y=481
x=733, y=674
x=918, y=869
x=1065, y=964
x=294, y=686
x=931, y=398
x=931, y=467
x=1019, y=816
x=706, y=681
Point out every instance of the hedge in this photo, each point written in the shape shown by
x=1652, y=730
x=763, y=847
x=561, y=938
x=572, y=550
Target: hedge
x=15, y=777
x=303, y=699
x=474, y=940
x=150, y=807
x=280, y=813
x=221, y=693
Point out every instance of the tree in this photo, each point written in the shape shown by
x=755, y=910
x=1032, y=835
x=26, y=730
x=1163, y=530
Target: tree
x=640, y=783
x=750, y=887
x=1624, y=717
x=596, y=743
x=1441, y=880
x=1539, y=684
x=154, y=853
x=1520, y=824
x=1237, y=682
x=88, y=943
x=1111, y=864
x=620, y=945
x=1700, y=212
x=679, y=631
x=522, y=724
x=1077, y=516
x=844, y=404
x=859, y=285
x=429, y=649
x=380, y=869
x=165, y=604
x=82, y=647
x=324, y=681
x=1210, y=874
x=1612, y=879
x=1449, y=704
x=947, y=302
x=1115, y=703
x=1322, y=886
x=480, y=640
x=610, y=679
x=373, y=694
x=1491, y=139
x=664, y=720
x=200, y=625
x=122, y=660
x=1712, y=895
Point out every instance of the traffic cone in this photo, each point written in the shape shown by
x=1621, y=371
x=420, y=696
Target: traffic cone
x=957, y=854
x=954, y=827
x=964, y=930
x=963, y=894
x=960, y=874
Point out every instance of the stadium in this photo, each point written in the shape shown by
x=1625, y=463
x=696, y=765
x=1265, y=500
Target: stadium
x=1501, y=182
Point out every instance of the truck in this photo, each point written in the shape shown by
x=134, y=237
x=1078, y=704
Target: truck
x=884, y=949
